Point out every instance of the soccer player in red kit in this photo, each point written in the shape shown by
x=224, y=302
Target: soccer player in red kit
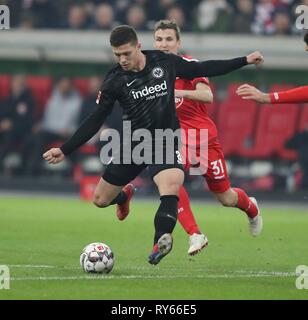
x=297, y=95
x=191, y=99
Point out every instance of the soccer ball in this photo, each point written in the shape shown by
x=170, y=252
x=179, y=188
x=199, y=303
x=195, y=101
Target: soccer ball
x=97, y=257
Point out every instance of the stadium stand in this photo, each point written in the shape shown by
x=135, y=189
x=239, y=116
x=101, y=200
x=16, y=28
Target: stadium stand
x=82, y=85
x=236, y=123
x=41, y=87
x=274, y=126
x=5, y=81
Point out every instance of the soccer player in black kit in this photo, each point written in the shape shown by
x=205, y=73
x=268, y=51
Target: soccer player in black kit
x=143, y=83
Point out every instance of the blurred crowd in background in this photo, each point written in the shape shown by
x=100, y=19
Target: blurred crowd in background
x=266, y=17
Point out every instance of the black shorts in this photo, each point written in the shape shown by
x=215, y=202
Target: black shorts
x=121, y=174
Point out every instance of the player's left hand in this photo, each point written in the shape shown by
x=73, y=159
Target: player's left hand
x=255, y=58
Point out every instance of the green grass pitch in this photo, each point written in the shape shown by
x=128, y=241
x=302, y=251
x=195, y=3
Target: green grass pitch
x=41, y=241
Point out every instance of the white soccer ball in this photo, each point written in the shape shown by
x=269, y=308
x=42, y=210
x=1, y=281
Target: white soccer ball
x=97, y=257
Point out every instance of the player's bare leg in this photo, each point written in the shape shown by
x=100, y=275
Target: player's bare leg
x=105, y=193
x=235, y=197
x=168, y=182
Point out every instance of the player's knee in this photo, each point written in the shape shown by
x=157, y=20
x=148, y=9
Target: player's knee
x=173, y=188
x=100, y=202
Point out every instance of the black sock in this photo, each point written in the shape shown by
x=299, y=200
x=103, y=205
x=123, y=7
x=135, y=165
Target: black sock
x=120, y=198
x=166, y=216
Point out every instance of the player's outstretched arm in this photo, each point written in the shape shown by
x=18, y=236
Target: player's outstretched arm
x=297, y=95
x=54, y=156
x=248, y=92
x=211, y=68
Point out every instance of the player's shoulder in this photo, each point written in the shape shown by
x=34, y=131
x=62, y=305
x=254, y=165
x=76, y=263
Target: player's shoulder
x=158, y=54
x=155, y=55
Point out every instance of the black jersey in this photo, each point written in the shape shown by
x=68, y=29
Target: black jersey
x=147, y=96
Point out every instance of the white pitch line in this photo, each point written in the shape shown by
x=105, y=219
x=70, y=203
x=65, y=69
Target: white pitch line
x=112, y=277
x=31, y=266
x=160, y=268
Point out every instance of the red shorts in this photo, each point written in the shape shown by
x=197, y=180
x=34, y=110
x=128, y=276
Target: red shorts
x=208, y=162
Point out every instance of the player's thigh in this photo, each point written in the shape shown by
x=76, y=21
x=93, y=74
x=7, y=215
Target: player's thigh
x=169, y=181
x=217, y=173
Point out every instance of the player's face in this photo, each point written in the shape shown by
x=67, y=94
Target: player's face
x=165, y=40
x=127, y=55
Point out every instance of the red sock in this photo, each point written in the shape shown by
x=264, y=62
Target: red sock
x=185, y=216
x=245, y=204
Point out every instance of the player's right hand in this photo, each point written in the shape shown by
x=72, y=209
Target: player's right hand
x=248, y=92
x=54, y=156
x=255, y=58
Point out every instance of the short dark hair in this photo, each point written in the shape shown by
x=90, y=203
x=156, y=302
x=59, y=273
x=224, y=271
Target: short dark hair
x=306, y=38
x=122, y=35
x=168, y=24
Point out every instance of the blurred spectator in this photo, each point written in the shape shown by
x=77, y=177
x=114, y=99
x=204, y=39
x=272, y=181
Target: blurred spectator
x=243, y=16
x=214, y=16
x=44, y=13
x=77, y=18
x=263, y=21
x=104, y=17
x=157, y=9
x=299, y=142
x=60, y=120
x=282, y=23
x=26, y=21
x=15, y=118
x=177, y=14
x=137, y=18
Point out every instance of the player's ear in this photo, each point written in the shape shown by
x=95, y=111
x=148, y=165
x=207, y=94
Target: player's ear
x=139, y=45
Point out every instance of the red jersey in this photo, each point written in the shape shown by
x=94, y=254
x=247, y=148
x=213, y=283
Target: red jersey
x=192, y=114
